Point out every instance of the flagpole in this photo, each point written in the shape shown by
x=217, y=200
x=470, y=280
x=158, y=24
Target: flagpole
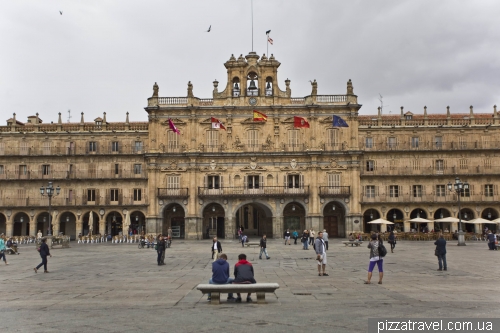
x=267, y=43
x=252, y=23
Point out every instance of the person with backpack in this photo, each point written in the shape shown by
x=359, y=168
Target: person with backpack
x=376, y=258
x=440, y=252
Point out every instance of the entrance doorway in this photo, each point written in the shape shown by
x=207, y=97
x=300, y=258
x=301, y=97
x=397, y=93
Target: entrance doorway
x=21, y=224
x=255, y=218
x=334, y=220
x=173, y=217
x=214, y=221
x=294, y=218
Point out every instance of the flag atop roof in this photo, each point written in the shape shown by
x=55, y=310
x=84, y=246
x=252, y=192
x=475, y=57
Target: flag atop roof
x=216, y=123
x=259, y=116
x=339, y=122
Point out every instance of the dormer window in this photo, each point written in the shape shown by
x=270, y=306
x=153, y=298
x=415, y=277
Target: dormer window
x=409, y=117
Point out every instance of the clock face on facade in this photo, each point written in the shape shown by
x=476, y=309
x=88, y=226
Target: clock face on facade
x=252, y=101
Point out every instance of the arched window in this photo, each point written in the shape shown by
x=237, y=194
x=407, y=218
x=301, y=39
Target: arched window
x=236, y=87
x=269, y=86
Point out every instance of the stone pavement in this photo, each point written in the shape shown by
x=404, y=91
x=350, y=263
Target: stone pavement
x=120, y=288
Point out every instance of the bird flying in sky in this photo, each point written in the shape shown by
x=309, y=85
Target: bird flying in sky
x=209, y=28
x=60, y=12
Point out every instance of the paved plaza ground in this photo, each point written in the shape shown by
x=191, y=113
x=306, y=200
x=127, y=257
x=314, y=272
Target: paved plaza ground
x=120, y=288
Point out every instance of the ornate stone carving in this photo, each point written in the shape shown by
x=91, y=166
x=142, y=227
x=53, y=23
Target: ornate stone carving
x=334, y=166
x=314, y=85
x=172, y=167
x=190, y=89
x=155, y=90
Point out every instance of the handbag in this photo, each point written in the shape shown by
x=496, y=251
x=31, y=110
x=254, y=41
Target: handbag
x=436, y=253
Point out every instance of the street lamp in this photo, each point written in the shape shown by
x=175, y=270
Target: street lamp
x=459, y=187
x=49, y=190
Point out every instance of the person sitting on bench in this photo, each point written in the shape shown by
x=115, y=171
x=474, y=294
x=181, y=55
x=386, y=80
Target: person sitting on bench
x=243, y=273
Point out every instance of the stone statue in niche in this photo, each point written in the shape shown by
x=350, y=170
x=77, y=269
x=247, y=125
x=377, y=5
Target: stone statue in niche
x=237, y=143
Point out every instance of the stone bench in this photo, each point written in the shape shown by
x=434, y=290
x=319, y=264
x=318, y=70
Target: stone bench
x=252, y=244
x=260, y=289
x=352, y=243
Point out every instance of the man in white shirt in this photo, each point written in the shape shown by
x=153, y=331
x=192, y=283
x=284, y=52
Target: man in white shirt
x=320, y=248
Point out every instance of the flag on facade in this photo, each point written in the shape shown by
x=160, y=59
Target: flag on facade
x=172, y=126
x=270, y=40
x=216, y=123
x=300, y=122
x=339, y=122
x=259, y=116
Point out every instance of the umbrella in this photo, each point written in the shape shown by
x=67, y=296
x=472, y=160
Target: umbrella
x=380, y=221
x=478, y=221
x=419, y=220
x=495, y=221
x=127, y=221
x=91, y=221
x=447, y=219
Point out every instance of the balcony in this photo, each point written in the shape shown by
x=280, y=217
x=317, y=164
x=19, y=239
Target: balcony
x=447, y=198
x=173, y=193
x=431, y=171
x=71, y=151
x=430, y=145
x=261, y=191
x=75, y=174
x=335, y=191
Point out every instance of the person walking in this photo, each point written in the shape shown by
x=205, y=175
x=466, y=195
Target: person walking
x=491, y=240
x=243, y=274
x=440, y=252
x=392, y=240
x=39, y=234
x=44, y=252
x=2, y=249
x=216, y=248
x=312, y=234
x=263, y=247
x=160, y=250
x=375, y=259
x=305, y=240
x=220, y=275
x=287, y=236
x=320, y=248
x=244, y=239
x=295, y=235
x=325, y=238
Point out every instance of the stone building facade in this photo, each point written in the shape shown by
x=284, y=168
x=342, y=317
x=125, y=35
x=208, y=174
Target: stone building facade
x=267, y=175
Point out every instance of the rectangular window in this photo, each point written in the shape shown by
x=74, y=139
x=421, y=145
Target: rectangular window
x=137, y=169
x=332, y=138
x=391, y=142
x=212, y=138
x=465, y=192
x=24, y=148
x=417, y=191
x=462, y=143
x=293, y=138
x=173, y=181
x=463, y=164
x=370, y=191
x=487, y=163
x=438, y=142
x=393, y=164
x=370, y=165
x=415, y=164
x=117, y=169
x=2, y=169
x=113, y=194
x=172, y=140
x=92, y=170
x=92, y=146
x=23, y=169
x=414, y=142
x=138, y=147
x=488, y=190
x=440, y=190
x=114, y=146
x=294, y=181
x=46, y=148
x=334, y=180
x=2, y=148
x=368, y=142
x=439, y=166
x=46, y=169
x=137, y=194
x=253, y=138
x=253, y=182
x=90, y=195
x=213, y=182
x=394, y=191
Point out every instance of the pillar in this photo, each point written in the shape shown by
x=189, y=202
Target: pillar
x=407, y=227
x=454, y=226
x=9, y=227
x=33, y=230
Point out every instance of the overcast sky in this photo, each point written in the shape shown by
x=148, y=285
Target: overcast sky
x=105, y=55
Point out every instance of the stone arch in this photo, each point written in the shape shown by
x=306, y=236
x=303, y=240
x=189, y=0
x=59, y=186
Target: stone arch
x=41, y=221
x=87, y=228
x=397, y=217
x=294, y=216
x=3, y=224
x=214, y=220
x=174, y=215
x=334, y=218
x=21, y=224
x=66, y=224
x=255, y=216
x=371, y=214
x=138, y=222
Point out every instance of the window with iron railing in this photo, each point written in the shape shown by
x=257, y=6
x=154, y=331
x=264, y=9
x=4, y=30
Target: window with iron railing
x=414, y=142
x=370, y=165
x=293, y=137
x=463, y=164
x=172, y=140
x=438, y=142
x=92, y=146
x=213, y=182
x=138, y=147
x=252, y=138
x=212, y=138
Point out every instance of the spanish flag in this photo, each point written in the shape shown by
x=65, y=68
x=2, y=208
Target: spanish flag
x=300, y=122
x=259, y=116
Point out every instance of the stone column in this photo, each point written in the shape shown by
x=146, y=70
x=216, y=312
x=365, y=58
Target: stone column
x=33, y=230
x=102, y=226
x=407, y=226
x=55, y=226
x=454, y=226
x=9, y=227
x=277, y=227
x=230, y=228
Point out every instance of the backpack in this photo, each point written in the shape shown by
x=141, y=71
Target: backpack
x=382, y=251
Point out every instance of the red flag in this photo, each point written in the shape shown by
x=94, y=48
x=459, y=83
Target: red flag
x=259, y=116
x=172, y=127
x=300, y=122
x=216, y=123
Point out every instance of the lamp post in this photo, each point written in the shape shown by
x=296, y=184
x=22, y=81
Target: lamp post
x=459, y=187
x=49, y=190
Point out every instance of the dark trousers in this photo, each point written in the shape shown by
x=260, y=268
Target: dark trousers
x=393, y=245
x=295, y=240
x=492, y=246
x=160, y=253
x=442, y=261
x=44, y=263
x=311, y=240
x=326, y=245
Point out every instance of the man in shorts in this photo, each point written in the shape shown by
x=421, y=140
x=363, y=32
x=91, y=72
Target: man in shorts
x=320, y=247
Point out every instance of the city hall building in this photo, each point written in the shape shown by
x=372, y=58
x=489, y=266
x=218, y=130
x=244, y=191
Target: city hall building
x=252, y=155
